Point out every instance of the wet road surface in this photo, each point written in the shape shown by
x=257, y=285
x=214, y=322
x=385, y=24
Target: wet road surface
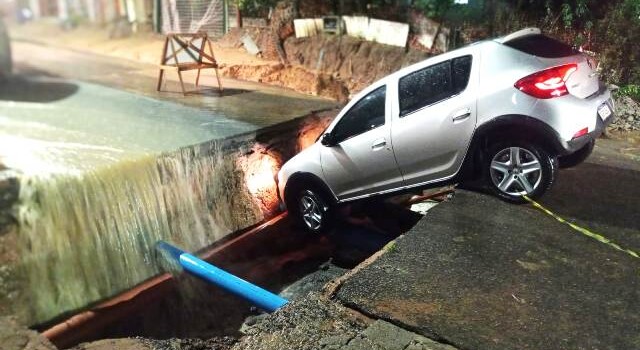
x=68, y=111
x=50, y=125
x=248, y=102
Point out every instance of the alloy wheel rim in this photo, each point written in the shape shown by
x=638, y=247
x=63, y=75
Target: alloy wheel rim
x=516, y=171
x=311, y=210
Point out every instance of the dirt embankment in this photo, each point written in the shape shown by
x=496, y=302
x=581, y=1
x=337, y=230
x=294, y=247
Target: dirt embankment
x=9, y=288
x=328, y=65
x=354, y=62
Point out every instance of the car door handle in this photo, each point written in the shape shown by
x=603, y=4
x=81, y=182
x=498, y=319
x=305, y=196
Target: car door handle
x=462, y=115
x=378, y=144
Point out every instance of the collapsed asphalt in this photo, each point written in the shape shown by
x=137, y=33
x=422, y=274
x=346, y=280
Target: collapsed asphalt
x=483, y=274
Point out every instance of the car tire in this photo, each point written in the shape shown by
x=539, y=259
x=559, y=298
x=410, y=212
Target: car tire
x=532, y=173
x=310, y=208
x=578, y=156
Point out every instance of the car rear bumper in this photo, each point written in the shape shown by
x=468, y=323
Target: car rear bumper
x=574, y=145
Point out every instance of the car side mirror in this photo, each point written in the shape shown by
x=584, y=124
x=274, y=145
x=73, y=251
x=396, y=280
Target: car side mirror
x=328, y=140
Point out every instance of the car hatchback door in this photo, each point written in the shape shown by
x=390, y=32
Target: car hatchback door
x=435, y=119
x=360, y=159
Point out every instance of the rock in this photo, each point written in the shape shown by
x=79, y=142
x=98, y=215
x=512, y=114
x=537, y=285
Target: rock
x=315, y=322
x=388, y=336
x=120, y=344
x=16, y=337
x=221, y=343
x=627, y=112
x=303, y=324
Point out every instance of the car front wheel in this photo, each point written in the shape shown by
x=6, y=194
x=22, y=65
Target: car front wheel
x=311, y=209
x=518, y=168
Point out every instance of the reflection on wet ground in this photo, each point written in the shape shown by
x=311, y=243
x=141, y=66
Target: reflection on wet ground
x=52, y=126
x=21, y=89
x=211, y=92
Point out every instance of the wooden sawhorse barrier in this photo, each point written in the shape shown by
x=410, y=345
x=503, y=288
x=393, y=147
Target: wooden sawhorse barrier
x=184, y=52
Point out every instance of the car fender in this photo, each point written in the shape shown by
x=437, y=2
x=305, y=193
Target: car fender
x=503, y=127
x=299, y=178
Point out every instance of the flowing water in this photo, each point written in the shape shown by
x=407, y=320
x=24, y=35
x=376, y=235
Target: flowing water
x=101, y=183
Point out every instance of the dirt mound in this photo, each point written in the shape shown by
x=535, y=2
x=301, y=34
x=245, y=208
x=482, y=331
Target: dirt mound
x=330, y=66
x=356, y=62
x=294, y=77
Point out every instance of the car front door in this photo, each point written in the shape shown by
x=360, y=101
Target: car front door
x=435, y=119
x=360, y=159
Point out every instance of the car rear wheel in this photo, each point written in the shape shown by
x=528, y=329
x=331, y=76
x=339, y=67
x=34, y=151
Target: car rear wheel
x=310, y=208
x=519, y=168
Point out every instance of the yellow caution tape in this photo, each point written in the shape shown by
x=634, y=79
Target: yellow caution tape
x=584, y=231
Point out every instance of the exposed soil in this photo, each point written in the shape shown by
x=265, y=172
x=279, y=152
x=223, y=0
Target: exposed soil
x=8, y=241
x=328, y=65
x=355, y=62
x=8, y=260
x=293, y=77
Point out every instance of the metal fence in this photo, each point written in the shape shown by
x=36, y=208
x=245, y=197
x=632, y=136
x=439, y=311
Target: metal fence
x=189, y=16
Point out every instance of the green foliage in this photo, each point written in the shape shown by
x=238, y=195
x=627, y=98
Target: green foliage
x=434, y=8
x=631, y=90
x=567, y=15
x=391, y=247
x=255, y=8
x=609, y=28
x=618, y=43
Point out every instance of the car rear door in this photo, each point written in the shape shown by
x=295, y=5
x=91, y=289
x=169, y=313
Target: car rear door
x=435, y=119
x=361, y=162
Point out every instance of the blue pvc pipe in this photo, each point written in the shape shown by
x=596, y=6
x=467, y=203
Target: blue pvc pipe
x=259, y=297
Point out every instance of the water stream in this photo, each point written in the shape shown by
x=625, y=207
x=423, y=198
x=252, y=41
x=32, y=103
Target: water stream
x=100, y=185
x=90, y=236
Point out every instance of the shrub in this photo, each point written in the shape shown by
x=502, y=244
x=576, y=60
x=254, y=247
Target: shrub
x=618, y=43
x=632, y=91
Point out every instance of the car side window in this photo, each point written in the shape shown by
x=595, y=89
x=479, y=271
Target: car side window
x=433, y=84
x=461, y=70
x=366, y=114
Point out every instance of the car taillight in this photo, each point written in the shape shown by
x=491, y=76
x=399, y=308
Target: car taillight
x=580, y=132
x=547, y=83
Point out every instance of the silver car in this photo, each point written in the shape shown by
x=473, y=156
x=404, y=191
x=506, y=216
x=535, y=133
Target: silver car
x=509, y=110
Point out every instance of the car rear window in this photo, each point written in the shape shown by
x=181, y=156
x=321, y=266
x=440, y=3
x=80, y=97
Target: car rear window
x=541, y=46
